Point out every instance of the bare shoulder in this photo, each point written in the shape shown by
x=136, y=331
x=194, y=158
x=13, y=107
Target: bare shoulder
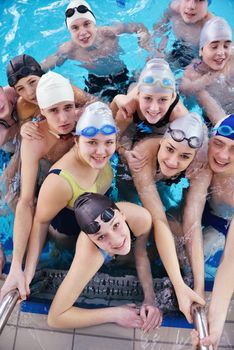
x=109, y=31
x=202, y=176
x=33, y=149
x=178, y=111
x=137, y=217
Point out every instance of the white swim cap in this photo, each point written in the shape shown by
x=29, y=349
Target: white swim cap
x=156, y=77
x=217, y=28
x=188, y=128
x=97, y=118
x=78, y=9
x=53, y=88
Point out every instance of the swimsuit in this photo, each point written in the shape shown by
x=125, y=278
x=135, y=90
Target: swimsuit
x=65, y=221
x=108, y=86
x=219, y=217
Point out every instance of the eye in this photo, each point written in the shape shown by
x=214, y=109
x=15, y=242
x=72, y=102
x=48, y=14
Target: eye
x=169, y=149
x=148, y=98
x=185, y=156
x=19, y=89
x=86, y=24
x=68, y=108
x=92, y=142
x=101, y=238
x=32, y=82
x=163, y=100
x=110, y=142
x=116, y=225
x=53, y=110
x=218, y=144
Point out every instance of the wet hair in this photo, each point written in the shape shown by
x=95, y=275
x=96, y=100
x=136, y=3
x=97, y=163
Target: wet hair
x=89, y=206
x=22, y=66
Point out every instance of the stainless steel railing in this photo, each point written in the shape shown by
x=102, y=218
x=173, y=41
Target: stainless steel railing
x=200, y=324
x=6, y=307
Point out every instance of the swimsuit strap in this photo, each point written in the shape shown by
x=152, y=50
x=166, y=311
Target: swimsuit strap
x=173, y=180
x=166, y=118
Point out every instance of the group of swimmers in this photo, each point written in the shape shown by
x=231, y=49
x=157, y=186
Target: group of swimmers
x=67, y=140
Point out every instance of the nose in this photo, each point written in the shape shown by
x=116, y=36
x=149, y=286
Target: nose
x=224, y=155
x=116, y=240
x=101, y=148
x=154, y=107
x=30, y=91
x=221, y=51
x=173, y=161
x=63, y=117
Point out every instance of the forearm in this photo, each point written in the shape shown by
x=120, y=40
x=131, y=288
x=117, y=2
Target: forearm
x=144, y=274
x=76, y=317
x=36, y=243
x=212, y=108
x=194, y=247
x=22, y=227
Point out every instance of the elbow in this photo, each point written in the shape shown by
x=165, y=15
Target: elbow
x=52, y=320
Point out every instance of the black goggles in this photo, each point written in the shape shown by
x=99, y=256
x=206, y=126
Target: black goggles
x=81, y=9
x=179, y=136
x=22, y=73
x=94, y=226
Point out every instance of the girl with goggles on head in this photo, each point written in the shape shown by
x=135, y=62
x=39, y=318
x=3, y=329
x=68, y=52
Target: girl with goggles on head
x=85, y=167
x=107, y=230
x=165, y=173
x=150, y=106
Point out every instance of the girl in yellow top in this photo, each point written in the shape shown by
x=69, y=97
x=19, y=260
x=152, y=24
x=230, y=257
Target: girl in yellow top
x=84, y=168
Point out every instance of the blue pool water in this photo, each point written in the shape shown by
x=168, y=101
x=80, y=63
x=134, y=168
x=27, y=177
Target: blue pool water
x=37, y=27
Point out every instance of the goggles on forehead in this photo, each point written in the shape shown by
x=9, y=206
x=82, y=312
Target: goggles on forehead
x=80, y=9
x=94, y=226
x=22, y=73
x=179, y=136
x=92, y=131
x=224, y=130
x=164, y=83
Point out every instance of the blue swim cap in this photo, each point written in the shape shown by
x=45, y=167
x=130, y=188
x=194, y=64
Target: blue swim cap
x=225, y=127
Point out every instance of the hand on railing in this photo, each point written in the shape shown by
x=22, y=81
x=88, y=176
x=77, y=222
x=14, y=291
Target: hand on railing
x=201, y=326
x=6, y=307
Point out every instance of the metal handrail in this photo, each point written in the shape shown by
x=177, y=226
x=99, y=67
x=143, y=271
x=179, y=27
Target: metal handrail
x=200, y=324
x=6, y=307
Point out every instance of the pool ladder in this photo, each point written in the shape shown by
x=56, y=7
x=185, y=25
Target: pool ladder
x=6, y=307
x=200, y=324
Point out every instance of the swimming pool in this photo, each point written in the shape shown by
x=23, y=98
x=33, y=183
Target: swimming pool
x=37, y=28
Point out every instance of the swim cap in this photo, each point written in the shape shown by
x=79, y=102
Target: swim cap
x=188, y=128
x=78, y=9
x=53, y=88
x=22, y=66
x=89, y=206
x=156, y=77
x=97, y=117
x=225, y=127
x=217, y=28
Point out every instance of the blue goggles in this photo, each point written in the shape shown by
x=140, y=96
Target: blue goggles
x=164, y=83
x=92, y=131
x=224, y=130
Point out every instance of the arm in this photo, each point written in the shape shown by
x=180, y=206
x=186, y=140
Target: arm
x=193, y=208
x=58, y=58
x=50, y=202
x=144, y=182
x=23, y=217
x=222, y=292
x=212, y=108
x=63, y=314
x=130, y=28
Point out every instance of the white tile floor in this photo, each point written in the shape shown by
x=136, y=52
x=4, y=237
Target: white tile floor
x=27, y=331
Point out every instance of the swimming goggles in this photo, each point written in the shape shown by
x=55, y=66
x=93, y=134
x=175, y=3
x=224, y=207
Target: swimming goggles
x=224, y=130
x=22, y=73
x=92, y=131
x=94, y=226
x=179, y=136
x=164, y=83
x=81, y=9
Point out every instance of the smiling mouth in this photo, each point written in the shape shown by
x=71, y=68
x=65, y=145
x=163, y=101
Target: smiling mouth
x=120, y=246
x=220, y=164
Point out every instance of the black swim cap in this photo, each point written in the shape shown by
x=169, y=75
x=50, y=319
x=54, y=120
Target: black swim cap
x=89, y=206
x=22, y=66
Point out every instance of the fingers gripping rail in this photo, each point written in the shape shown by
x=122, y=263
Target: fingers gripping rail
x=200, y=324
x=6, y=307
